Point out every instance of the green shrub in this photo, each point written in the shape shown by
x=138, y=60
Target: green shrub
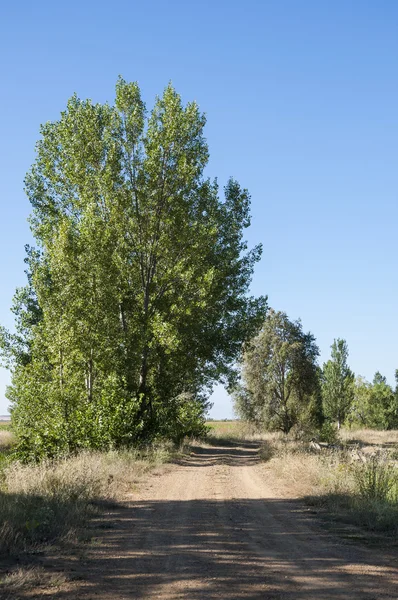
x=377, y=480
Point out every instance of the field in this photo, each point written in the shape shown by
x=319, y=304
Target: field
x=225, y=428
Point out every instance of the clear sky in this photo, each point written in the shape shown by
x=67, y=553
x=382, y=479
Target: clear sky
x=302, y=107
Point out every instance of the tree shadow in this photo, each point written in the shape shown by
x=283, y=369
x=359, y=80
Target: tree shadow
x=202, y=549
x=234, y=455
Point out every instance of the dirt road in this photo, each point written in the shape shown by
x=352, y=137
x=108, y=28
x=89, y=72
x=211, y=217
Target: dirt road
x=213, y=527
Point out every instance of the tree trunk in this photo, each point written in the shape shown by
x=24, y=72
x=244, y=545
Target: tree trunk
x=143, y=387
x=90, y=377
x=145, y=410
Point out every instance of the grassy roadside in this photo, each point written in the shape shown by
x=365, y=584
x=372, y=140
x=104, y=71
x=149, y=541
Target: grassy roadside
x=47, y=507
x=343, y=489
x=354, y=483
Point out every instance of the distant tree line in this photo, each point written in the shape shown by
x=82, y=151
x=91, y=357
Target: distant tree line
x=282, y=386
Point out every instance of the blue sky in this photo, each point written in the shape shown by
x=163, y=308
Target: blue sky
x=302, y=107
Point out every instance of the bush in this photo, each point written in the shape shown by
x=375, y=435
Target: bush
x=377, y=480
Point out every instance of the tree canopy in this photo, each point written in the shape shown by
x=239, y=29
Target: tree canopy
x=279, y=374
x=137, y=295
x=375, y=404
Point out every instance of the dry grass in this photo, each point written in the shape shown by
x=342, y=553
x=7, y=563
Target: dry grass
x=229, y=429
x=370, y=436
x=52, y=501
x=29, y=579
x=239, y=430
x=7, y=439
x=87, y=475
x=356, y=492
x=301, y=473
x=364, y=494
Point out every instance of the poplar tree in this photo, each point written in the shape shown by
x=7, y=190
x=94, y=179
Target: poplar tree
x=338, y=383
x=137, y=298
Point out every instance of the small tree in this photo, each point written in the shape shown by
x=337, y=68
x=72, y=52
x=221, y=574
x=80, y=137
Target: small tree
x=393, y=411
x=279, y=374
x=338, y=379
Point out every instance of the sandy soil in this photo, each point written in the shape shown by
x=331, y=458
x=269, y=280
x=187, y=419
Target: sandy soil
x=213, y=526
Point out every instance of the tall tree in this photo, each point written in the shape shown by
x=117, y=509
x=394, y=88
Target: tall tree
x=338, y=380
x=140, y=278
x=279, y=374
x=360, y=405
x=381, y=404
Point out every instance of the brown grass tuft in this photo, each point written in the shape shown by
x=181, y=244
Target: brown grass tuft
x=28, y=579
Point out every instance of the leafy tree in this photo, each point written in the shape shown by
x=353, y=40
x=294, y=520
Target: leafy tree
x=393, y=410
x=359, y=410
x=338, y=379
x=380, y=400
x=375, y=404
x=383, y=404
x=279, y=374
x=137, y=298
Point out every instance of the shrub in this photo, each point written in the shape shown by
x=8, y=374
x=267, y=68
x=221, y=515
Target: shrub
x=377, y=480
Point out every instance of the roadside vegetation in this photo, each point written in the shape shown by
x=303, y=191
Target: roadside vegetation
x=51, y=502
x=353, y=481
x=8, y=442
x=7, y=438
x=47, y=508
x=337, y=441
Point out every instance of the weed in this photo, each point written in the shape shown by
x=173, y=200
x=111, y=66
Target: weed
x=377, y=480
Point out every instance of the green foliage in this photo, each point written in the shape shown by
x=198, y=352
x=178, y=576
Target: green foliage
x=187, y=419
x=329, y=433
x=359, y=409
x=137, y=290
x=280, y=376
x=337, y=388
x=375, y=404
x=377, y=480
